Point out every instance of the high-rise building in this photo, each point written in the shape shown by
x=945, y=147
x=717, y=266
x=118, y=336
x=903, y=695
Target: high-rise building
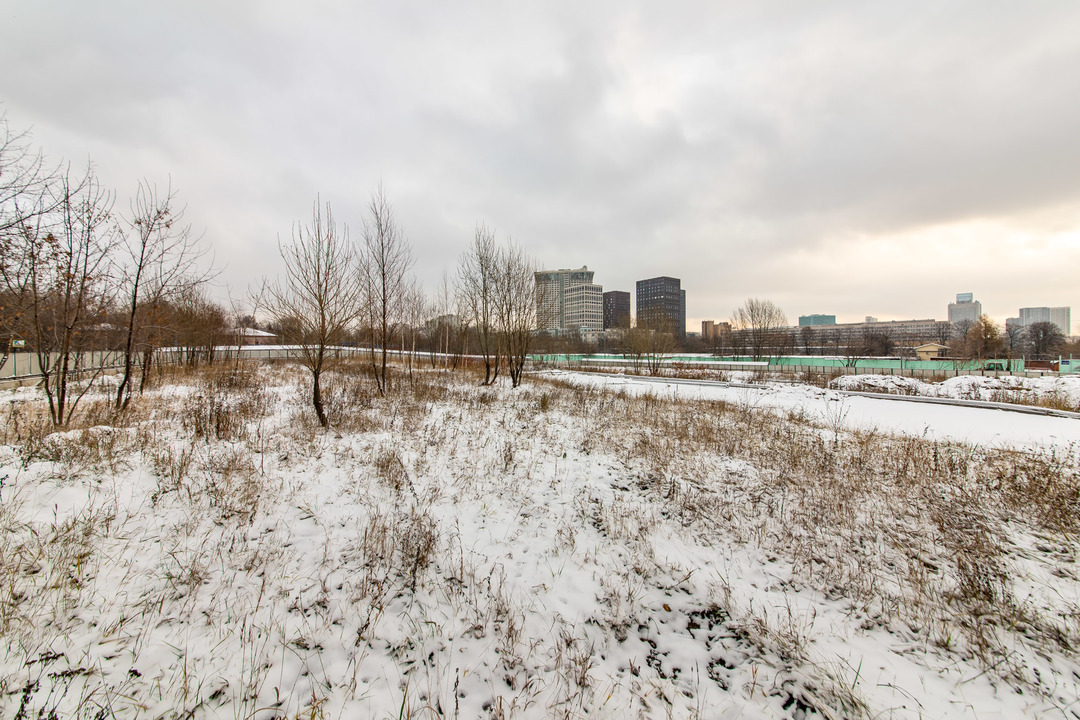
x=616, y=309
x=661, y=304
x=712, y=330
x=815, y=319
x=965, y=309
x=568, y=300
x=583, y=307
x=1060, y=316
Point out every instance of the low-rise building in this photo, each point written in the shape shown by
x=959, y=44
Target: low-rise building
x=903, y=332
x=931, y=351
x=251, y=336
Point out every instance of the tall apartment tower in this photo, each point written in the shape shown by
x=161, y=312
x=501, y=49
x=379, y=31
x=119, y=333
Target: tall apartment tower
x=966, y=308
x=616, y=309
x=661, y=303
x=568, y=299
x=1060, y=316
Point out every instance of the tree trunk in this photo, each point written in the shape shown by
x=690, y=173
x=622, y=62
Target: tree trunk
x=316, y=399
x=148, y=359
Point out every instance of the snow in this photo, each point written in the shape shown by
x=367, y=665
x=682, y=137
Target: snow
x=1064, y=388
x=976, y=426
x=470, y=554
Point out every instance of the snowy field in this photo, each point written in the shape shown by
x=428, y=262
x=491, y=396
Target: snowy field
x=977, y=426
x=1061, y=392
x=578, y=547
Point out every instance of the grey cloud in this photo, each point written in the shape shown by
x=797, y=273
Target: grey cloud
x=716, y=143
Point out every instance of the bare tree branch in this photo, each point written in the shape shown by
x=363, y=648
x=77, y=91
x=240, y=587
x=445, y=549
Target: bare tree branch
x=385, y=261
x=319, y=299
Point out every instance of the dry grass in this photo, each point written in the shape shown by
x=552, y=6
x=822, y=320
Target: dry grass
x=845, y=505
x=906, y=530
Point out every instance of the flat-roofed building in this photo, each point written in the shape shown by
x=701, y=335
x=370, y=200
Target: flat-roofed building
x=1060, y=316
x=904, y=332
x=712, y=330
x=583, y=308
x=568, y=299
x=661, y=304
x=816, y=319
x=965, y=309
x=616, y=309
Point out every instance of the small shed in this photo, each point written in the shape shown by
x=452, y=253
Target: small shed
x=931, y=351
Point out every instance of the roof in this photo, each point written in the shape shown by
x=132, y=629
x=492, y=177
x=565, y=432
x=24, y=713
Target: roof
x=252, y=332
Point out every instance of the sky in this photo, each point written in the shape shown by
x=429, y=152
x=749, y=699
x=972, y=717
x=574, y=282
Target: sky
x=846, y=158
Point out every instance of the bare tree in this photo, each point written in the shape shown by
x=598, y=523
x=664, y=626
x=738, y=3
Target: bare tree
x=69, y=285
x=386, y=259
x=477, y=285
x=245, y=313
x=161, y=256
x=516, y=303
x=25, y=198
x=25, y=183
x=656, y=341
x=414, y=311
x=809, y=338
x=982, y=340
x=194, y=322
x=445, y=304
x=764, y=325
x=877, y=342
x=1045, y=339
x=959, y=330
x=319, y=298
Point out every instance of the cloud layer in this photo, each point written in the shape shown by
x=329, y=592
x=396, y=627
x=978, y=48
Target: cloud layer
x=849, y=158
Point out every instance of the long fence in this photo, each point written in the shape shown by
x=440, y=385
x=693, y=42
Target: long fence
x=801, y=365
x=25, y=367
x=254, y=352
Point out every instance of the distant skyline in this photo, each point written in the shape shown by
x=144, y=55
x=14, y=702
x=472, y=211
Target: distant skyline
x=846, y=158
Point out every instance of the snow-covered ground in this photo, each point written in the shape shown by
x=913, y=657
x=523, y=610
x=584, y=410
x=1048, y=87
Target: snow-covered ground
x=1061, y=391
x=581, y=546
x=976, y=426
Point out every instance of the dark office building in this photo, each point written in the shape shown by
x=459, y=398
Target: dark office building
x=616, y=309
x=662, y=303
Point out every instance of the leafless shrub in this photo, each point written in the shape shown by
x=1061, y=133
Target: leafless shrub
x=233, y=486
x=394, y=547
x=348, y=402
x=78, y=451
x=26, y=428
x=227, y=402
x=210, y=417
x=391, y=470
x=1044, y=488
x=171, y=464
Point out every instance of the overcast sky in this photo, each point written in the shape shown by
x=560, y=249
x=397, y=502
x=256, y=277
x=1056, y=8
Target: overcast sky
x=845, y=158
